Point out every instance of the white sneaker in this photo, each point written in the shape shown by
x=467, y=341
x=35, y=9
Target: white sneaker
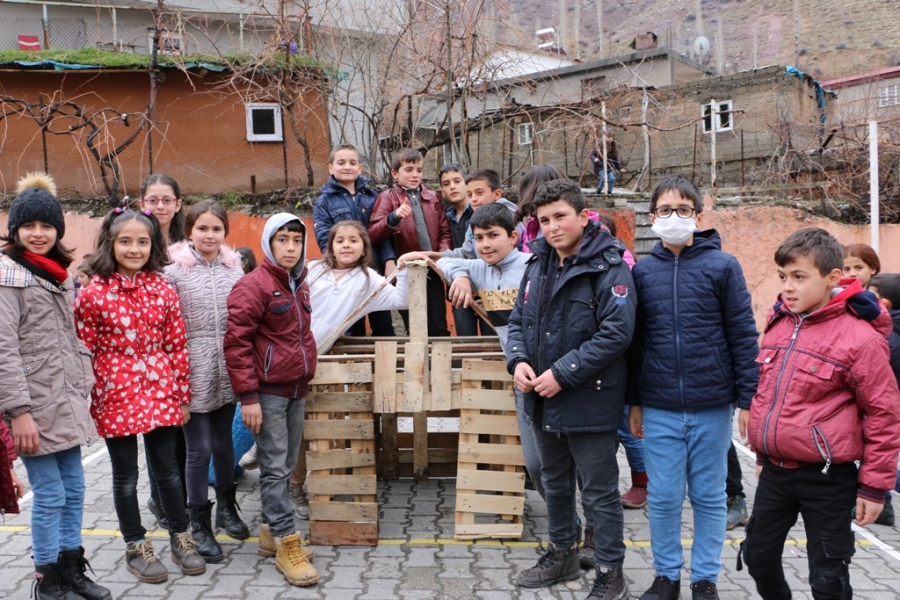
x=248, y=461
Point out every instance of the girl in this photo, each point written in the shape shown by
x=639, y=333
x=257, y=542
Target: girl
x=248, y=259
x=528, y=186
x=861, y=262
x=130, y=319
x=161, y=195
x=47, y=379
x=203, y=272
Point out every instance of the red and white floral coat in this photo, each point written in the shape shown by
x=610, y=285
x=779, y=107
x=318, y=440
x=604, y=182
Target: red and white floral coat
x=135, y=331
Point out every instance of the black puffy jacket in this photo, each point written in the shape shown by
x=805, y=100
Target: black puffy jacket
x=696, y=341
x=587, y=327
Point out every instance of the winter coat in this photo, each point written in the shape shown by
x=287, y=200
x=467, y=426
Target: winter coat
x=894, y=344
x=45, y=369
x=582, y=338
x=696, y=341
x=383, y=226
x=335, y=203
x=136, y=333
x=203, y=290
x=9, y=502
x=826, y=394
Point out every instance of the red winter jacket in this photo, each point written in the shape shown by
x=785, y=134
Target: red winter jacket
x=269, y=346
x=827, y=393
x=9, y=503
x=135, y=331
x=403, y=236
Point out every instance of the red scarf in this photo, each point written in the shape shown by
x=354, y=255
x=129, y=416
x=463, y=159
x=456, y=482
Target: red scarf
x=47, y=264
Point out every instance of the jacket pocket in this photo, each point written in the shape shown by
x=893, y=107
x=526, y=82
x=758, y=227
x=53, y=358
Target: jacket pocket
x=41, y=384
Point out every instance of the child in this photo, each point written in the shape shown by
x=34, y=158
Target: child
x=412, y=217
x=826, y=398
x=348, y=196
x=453, y=191
x=606, y=171
x=11, y=487
x=83, y=274
x=161, y=195
x=270, y=355
x=203, y=272
x=694, y=357
x=861, y=262
x=47, y=381
x=483, y=186
x=248, y=259
x=130, y=319
x=572, y=322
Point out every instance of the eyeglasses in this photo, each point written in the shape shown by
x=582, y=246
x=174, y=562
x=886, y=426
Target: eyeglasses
x=167, y=200
x=665, y=212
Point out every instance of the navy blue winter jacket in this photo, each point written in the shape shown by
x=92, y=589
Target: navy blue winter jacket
x=335, y=204
x=894, y=343
x=695, y=344
x=587, y=328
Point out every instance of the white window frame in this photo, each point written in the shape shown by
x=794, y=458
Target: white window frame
x=526, y=133
x=889, y=95
x=726, y=107
x=252, y=136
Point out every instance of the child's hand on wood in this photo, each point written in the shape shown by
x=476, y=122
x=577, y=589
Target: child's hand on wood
x=523, y=378
x=412, y=256
x=25, y=434
x=251, y=415
x=460, y=292
x=546, y=385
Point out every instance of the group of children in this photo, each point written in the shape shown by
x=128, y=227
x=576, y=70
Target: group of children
x=169, y=334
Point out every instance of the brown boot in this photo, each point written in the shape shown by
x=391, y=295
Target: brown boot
x=267, y=544
x=290, y=562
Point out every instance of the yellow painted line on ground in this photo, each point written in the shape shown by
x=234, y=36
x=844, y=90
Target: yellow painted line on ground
x=113, y=533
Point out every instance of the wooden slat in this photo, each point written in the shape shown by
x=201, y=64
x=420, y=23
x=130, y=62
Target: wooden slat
x=490, y=424
x=489, y=503
x=414, y=372
x=488, y=399
x=339, y=430
x=418, y=302
x=388, y=446
x=338, y=402
x=332, y=485
x=470, y=479
x=485, y=370
x=440, y=375
x=435, y=456
x=351, y=372
x=385, y=377
x=473, y=531
x=343, y=511
x=490, y=454
x=317, y=460
x=420, y=446
x=339, y=533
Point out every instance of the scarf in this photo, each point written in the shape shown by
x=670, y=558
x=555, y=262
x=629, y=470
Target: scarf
x=43, y=267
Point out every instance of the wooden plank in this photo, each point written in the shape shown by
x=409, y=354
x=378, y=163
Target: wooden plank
x=489, y=399
x=339, y=430
x=387, y=455
x=317, y=460
x=491, y=504
x=471, y=479
x=490, y=454
x=441, y=367
x=414, y=377
x=338, y=402
x=350, y=372
x=418, y=302
x=385, y=387
x=474, y=531
x=420, y=446
x=338, y=533
x=332, y=485
x=506, y=425
x=436, y=439
x=435, y=456
x=485, y=370
x=343, y=511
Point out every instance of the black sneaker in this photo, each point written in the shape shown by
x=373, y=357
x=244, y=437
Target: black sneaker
x=556, y=565
x=704, y=590
x=609, y=585
x=663, y=588
x=887, y=513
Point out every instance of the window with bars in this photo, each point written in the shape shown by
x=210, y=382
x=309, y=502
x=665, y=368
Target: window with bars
x=264, y=122
x=723, y=120
x=889, y=95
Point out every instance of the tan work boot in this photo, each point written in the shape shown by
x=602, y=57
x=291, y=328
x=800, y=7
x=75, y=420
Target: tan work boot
x=290, y=562
x=142, y=562
x=267, y=544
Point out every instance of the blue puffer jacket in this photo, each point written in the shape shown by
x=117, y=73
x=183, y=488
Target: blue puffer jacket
x=335, y=204
x=587, y=327
x=696, y=341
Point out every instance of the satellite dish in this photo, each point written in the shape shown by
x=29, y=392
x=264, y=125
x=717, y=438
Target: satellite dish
x=701, y=46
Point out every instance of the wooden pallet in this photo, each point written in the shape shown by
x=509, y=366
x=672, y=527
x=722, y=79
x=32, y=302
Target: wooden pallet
x=490, y=483
x=343, y=508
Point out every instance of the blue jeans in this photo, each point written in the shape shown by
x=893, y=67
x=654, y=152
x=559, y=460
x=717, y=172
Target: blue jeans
x=278, y=444
x=610, y=179
x=57, y=481
x=687, y=448
x=529, y=446
x=593, y=457
x=634, y=447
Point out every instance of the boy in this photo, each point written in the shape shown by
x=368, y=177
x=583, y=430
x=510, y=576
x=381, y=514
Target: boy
x=483, y=186
x=270, y=355
x=453, y=190
x=412, y=217
x=826, y=398
x=496, y=277
x=571, y=324
x=693, y=358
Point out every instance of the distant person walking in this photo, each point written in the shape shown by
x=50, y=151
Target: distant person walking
x=606, y=171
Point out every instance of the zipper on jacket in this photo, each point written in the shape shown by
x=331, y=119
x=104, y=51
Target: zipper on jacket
x=787, y=353
x=267, y=361
x=823, y=448
x=215, y=296
x=678, y=358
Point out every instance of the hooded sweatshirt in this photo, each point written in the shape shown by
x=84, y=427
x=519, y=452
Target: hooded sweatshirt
x=269, y=345
x=468, y=250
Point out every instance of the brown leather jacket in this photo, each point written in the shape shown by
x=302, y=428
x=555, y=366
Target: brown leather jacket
x=403, y=235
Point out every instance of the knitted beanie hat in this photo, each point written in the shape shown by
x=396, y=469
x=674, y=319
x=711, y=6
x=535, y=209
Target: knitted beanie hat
x=36, y=201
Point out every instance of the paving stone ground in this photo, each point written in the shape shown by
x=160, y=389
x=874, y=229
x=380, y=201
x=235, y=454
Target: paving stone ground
x=417, y=558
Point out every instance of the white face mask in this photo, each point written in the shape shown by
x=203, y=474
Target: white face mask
x=674, y=230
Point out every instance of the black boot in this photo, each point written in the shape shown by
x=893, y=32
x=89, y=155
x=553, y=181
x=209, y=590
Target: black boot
x=227, y=514
x=49, y=584
x=74, y=567
x=162, y=521
x=201, y=531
